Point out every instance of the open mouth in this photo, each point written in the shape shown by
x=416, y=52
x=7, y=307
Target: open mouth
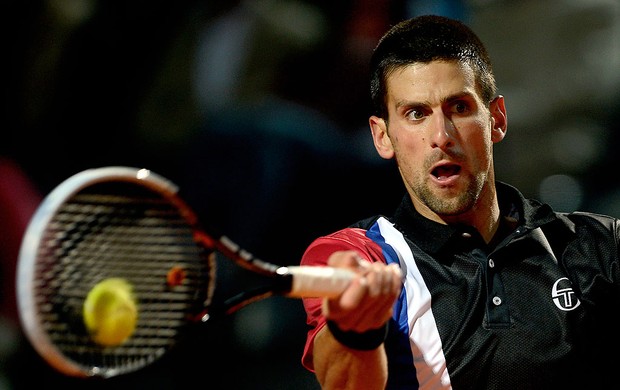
x=443, y=172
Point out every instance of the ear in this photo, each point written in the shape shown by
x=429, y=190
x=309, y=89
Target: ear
x=499, y=119
x=380, y=137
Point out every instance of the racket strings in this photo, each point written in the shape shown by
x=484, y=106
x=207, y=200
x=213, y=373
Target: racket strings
x=118, y=230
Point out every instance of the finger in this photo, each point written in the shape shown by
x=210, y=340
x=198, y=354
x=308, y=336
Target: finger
x=354, y=294
x=342, y=259
x=349, y=259
x=348, y=301
x=397, y=278
x=383, y=280
x=372, y=315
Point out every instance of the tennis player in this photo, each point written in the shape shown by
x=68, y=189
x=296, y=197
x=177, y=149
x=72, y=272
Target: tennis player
x=468, y=285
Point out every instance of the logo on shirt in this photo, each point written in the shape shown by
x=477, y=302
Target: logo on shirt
x=564, y=296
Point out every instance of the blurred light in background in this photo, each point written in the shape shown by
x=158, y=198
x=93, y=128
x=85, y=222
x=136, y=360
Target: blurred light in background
x=562, y=192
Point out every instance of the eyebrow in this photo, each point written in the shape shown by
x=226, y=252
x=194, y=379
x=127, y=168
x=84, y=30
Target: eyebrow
x=456, y=96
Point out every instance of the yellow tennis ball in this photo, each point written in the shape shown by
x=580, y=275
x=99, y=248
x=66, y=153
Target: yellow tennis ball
x=110, y=312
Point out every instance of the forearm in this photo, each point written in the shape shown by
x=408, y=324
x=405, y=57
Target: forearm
x=338, y=367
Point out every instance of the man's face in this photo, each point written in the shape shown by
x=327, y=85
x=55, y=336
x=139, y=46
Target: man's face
x=441, y=135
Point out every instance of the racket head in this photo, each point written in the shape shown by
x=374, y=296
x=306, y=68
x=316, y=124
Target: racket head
x=112, y=222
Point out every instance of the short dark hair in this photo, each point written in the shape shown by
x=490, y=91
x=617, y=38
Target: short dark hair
x=424, y=39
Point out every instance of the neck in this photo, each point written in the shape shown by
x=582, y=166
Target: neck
x=483, y=216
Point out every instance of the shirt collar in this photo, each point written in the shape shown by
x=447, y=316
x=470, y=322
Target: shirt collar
x=432, y=236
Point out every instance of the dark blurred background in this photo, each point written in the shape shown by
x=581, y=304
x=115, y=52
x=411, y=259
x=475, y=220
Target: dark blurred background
x=258, y=110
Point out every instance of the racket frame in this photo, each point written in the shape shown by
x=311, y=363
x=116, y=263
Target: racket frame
x=291, y=281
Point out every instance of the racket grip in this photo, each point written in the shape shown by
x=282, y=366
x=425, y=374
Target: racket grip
x=318, y=281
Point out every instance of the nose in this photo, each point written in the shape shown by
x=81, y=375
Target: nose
x=442, y=132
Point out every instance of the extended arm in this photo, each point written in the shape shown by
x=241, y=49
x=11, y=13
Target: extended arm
x=343, y=362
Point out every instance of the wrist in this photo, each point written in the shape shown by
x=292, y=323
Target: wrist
x=364, y=341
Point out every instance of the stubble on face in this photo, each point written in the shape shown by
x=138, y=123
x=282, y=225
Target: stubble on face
x=456, y=203
x=446, y=201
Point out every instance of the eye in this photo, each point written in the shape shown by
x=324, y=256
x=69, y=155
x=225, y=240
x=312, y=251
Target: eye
x=460, y=107
x=414, y=114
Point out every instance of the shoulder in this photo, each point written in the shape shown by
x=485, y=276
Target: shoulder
x=354, y=237
x=592, y=224
x=535, y=213
x=593, y=218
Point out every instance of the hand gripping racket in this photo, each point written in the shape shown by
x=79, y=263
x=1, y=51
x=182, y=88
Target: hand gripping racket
x=131, y=224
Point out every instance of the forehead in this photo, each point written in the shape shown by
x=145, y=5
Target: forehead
x=430, y=81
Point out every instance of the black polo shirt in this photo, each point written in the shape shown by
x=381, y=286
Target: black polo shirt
x=533, y=310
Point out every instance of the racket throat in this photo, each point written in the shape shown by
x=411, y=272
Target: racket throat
x=280, y=285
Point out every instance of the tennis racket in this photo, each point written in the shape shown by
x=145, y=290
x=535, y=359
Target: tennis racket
x=130, y=223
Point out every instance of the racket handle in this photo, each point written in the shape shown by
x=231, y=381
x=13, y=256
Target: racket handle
x=317, y=281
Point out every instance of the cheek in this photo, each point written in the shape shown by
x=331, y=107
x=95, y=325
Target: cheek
x=479, y=133
x=404, y=146
x=410, y=153
x=480, y=148
x=478, y=145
